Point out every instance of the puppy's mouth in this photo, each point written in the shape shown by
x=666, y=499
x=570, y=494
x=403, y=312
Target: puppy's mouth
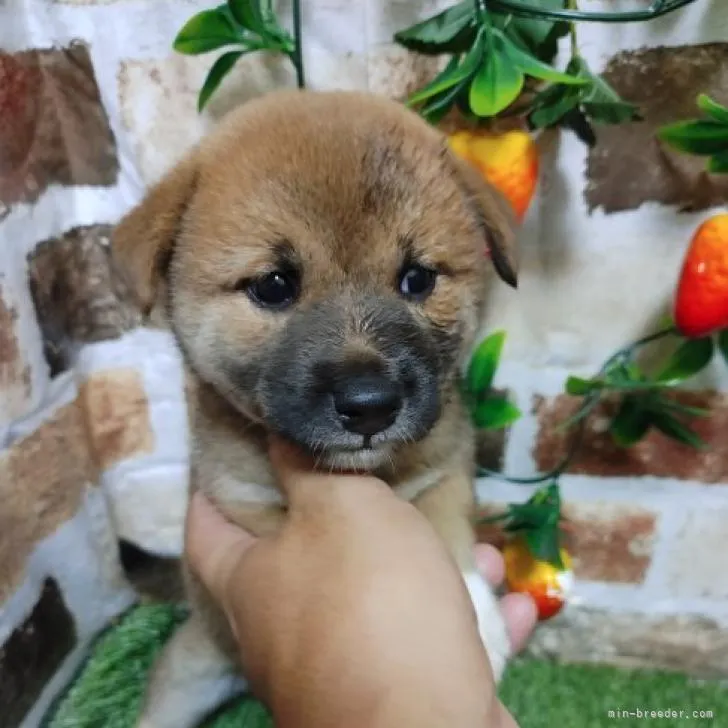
x=336, y=443
x=366, y=458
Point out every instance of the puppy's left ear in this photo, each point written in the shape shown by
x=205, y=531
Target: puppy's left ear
x=495, y=218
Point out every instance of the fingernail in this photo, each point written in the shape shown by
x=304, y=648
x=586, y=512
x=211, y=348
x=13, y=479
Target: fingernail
x=490, y=563
x=521, y=616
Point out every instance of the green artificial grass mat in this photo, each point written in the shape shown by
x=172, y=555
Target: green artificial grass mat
x=108, y=690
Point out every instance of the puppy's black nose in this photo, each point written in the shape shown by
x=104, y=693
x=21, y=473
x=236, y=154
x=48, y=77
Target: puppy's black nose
x=366, y=403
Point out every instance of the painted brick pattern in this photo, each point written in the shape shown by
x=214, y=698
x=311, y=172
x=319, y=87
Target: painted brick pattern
x=33, y=653
x=691, y=569
x=55, y=130
x=610, y=542
x=116, y=410
x=42, y=479
x=92, y=112
x=656, y=455
x=78, y=297
x=14, y=371
x=629, y=166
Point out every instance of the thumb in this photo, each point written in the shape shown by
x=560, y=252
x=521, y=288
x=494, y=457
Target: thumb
x=214, y=547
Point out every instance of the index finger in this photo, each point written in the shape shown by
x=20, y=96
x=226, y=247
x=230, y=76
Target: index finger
x=214, y=546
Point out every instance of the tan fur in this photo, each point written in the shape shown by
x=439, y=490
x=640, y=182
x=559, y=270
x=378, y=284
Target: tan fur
x=281, y=169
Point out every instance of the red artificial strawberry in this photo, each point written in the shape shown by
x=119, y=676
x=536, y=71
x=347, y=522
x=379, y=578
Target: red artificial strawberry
x=701, y=303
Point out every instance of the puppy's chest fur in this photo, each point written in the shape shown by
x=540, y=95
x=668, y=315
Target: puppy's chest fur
x=230, y=463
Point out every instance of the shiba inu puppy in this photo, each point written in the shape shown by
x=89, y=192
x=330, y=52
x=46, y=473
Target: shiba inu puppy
x=323, y=261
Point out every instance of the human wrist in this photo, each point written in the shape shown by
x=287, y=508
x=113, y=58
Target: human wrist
x=390, y=699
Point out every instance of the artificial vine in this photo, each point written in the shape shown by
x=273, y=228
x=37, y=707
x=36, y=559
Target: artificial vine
x=643, y=400
x=532, y=9
x=247, y=26
x=500, y=48
x=497, y=49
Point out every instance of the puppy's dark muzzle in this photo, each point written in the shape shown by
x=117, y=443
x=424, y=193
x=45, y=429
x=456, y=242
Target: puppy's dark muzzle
x=366, y=403
x=353, y=373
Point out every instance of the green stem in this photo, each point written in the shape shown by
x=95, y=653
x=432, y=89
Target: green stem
x=297, y=57
x=528, y=10
x=572, y=5
x=480, y=10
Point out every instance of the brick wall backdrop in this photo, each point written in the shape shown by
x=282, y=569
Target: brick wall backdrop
x=94, y=106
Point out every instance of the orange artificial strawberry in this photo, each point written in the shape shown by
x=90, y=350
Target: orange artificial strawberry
x=509, y=161
x=701, y=302
x=548, y=586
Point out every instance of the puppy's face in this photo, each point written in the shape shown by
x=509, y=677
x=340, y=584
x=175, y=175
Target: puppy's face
x=323, y=261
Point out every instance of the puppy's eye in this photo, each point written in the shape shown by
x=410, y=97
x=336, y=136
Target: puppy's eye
x=275, y=290
x=417, y=282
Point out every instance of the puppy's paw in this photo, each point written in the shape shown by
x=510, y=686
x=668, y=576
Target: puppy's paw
x=491, y=623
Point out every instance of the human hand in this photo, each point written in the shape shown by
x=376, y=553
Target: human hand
x=354, y=614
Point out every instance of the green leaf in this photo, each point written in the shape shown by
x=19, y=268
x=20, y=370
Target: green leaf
x=451, y=31
x=696, y=137
x=552, y=104
x=689, y=358
x=525, y=515
x=631, y=422
x=205, y=32
x=718, y=163
x=673, y=428
x=249, y=14
x=495, y=413
x=543, y=542
x=531, y=66
x=723, y=344
x=578, y=387
x=624, y=372
x=438, y=106
x=661, y=402
x=713, y=109
x=484, y=363
x=267, y=13
x=222, y=66
x=615, y=112
x=600, y=92
x=497, y=82
x=595, y=100
x=455, y=72
x=541, y=510
x=540, y=37
x=600, y=101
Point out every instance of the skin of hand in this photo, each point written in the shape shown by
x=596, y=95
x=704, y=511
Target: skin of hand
x=354, y=613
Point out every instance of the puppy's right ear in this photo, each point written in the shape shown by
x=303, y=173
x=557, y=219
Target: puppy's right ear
x=143, y=242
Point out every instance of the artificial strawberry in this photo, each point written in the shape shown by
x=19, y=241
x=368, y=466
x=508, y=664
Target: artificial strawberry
x=547, y=585
x=509, y=161
x=701, y=302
